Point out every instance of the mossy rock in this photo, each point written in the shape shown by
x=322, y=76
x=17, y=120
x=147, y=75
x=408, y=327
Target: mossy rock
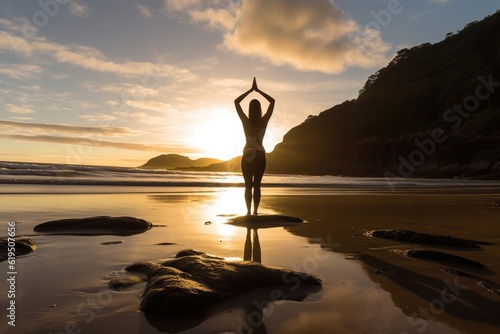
x=194, y=281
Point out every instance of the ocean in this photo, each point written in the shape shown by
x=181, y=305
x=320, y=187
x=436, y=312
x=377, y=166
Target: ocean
x=17, y=173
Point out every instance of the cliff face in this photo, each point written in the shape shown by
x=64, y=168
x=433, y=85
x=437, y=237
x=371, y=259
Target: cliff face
x=434, y=110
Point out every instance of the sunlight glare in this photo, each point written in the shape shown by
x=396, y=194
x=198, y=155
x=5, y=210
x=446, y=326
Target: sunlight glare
x=218, y=135
x=226, y=203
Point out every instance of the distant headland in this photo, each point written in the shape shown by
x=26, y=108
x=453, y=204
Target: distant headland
x=174, y=161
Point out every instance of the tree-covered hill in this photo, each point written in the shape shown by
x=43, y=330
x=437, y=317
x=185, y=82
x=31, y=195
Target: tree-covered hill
x=434, y=110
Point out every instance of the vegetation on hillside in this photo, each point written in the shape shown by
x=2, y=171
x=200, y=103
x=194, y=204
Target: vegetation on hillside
x=434, y=110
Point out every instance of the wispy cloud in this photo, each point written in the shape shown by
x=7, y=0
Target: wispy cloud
x=441, y=2
x=216, y=14
x=85, y=57
x=124, y=89
x=32, y=88
x=78, y=9
x=144, y=10
x=98, y=117
x=418, y=15
x=20, y=71
x=97, y=143
x=64, y=128
x=309, y=35
x=19, y=109
x=287, y=87
x=149, y=105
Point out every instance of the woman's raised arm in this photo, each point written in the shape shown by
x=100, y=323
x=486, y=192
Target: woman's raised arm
x=237, y=102
x=270, y=109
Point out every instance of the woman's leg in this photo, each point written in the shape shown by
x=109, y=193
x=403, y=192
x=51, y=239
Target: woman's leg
x=259, y=166
x=246, y=169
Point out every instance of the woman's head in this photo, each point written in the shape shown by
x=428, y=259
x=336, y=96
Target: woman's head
x=254, y=112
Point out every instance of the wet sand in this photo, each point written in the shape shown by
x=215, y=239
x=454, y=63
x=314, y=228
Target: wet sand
x=368, y=288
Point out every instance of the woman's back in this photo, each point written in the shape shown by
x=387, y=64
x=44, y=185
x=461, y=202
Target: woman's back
x=254, y=135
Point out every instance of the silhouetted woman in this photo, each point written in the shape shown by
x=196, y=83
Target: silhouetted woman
x=253, y=162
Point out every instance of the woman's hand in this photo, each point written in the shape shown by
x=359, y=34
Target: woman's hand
x=254, y=85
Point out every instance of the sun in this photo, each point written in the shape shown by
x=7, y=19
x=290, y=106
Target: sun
x=218, y=135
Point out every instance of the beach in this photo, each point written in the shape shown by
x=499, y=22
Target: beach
x=368, y=287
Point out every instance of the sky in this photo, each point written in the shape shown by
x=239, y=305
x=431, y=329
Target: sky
x=117, y=82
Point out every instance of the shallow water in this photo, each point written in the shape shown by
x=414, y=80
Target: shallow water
x=62, y=286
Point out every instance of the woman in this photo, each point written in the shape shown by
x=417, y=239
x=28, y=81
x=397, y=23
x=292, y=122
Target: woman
x=253, y=162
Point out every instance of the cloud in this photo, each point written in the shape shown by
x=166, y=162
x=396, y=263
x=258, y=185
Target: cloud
x=309, y=35
x=63, y=128
x=149, y=105
x=78, y=9
x=20, y=71
x=441, y=2
x=98, y=117
x=287, y=87
x=18, y=88
x=216, y=14
x=94, y=143
x=86, y=57
x=125, y=90
x=144, y=10
x=418, y=15
x=19, y=109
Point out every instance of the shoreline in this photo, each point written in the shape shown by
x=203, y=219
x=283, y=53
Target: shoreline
x=271, y=189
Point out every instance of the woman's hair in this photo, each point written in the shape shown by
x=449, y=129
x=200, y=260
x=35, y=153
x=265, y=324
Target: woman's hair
x=254, y=112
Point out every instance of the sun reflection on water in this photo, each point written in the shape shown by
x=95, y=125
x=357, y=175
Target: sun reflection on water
x=225, y=204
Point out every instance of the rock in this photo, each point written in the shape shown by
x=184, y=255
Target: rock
x=142, y=267
x=436, y=256
x=102, y=225
x=189, y=252
x=22, y=247
x=385, y=271
x=112, y=242
x=482, y=282
x=121, y=283
x=423, y=238
x=195, y=281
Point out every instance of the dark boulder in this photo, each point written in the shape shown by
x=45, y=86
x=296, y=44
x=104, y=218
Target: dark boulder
x=22, y=247
x=441, y=257
x=195, y=281
x=102, y=225
x=481, y=281
x=423, y=238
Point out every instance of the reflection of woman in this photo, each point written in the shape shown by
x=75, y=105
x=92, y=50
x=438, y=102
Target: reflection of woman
x=252, y=250
x=253, y=162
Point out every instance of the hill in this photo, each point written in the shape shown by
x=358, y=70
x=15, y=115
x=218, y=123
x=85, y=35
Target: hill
x=174, y=161
x=434, y=111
